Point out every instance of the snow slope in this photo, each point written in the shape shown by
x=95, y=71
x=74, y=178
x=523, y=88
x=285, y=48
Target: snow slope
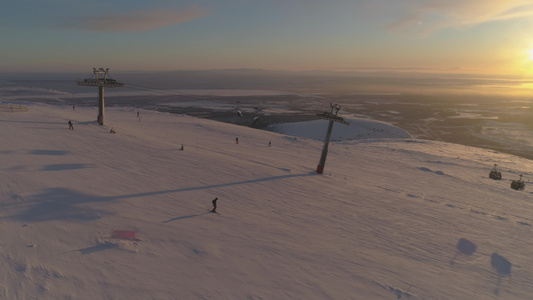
x=384, y=221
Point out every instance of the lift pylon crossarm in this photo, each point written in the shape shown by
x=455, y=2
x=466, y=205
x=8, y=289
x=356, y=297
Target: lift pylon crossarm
x=99, y=81
x=333, y=117
x=109, y=83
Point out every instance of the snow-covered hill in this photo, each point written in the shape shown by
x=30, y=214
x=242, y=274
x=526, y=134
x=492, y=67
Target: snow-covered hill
x=389, y=218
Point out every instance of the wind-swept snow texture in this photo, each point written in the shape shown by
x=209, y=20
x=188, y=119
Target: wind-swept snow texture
x=389, y=218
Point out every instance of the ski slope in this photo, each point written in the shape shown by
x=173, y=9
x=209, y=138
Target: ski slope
x=384, y=221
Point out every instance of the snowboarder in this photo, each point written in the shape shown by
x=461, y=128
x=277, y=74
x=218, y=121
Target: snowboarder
x=70, y=127
x=214, y=205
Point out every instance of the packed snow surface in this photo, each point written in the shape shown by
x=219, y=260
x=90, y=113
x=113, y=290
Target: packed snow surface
x=390, y=218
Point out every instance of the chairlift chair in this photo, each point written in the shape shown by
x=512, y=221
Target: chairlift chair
x=239, y=112
x=519, y=184
x=495, y=174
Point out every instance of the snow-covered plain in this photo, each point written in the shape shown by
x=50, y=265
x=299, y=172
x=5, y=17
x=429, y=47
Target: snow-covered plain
x=389, y=218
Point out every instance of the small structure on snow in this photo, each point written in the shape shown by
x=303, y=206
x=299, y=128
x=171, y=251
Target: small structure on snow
x=495, y=174
x=124, y=235
x=519, y=184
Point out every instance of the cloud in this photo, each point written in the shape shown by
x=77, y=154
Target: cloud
x=140, y=21
x=439, y=14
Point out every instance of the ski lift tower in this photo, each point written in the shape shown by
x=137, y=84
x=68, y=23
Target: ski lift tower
x=332, y=117
x=101, y=80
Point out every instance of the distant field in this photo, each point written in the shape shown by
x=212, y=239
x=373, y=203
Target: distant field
x=469, y=111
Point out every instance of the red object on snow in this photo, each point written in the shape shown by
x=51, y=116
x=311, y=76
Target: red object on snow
x=123, y=234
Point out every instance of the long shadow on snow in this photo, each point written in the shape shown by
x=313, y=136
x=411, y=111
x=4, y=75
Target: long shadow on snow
x=64, y=167
x=213, y=186
x=48, y=152
x=30, y=122
x=184, y=217
x=97, y=248
x=65, y=204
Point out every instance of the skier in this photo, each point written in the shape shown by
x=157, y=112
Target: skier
x=70, y=127
x=214, y=205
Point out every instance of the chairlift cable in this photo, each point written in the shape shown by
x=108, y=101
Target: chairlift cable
x=374, y=128
x=165, y=92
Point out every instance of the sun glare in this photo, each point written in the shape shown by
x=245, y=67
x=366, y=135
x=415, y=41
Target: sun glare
x=530, y=53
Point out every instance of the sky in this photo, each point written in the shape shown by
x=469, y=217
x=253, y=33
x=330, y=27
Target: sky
x=455, y=36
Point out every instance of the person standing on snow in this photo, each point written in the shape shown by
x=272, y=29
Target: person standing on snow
x=214, y=205
x=70, y=127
